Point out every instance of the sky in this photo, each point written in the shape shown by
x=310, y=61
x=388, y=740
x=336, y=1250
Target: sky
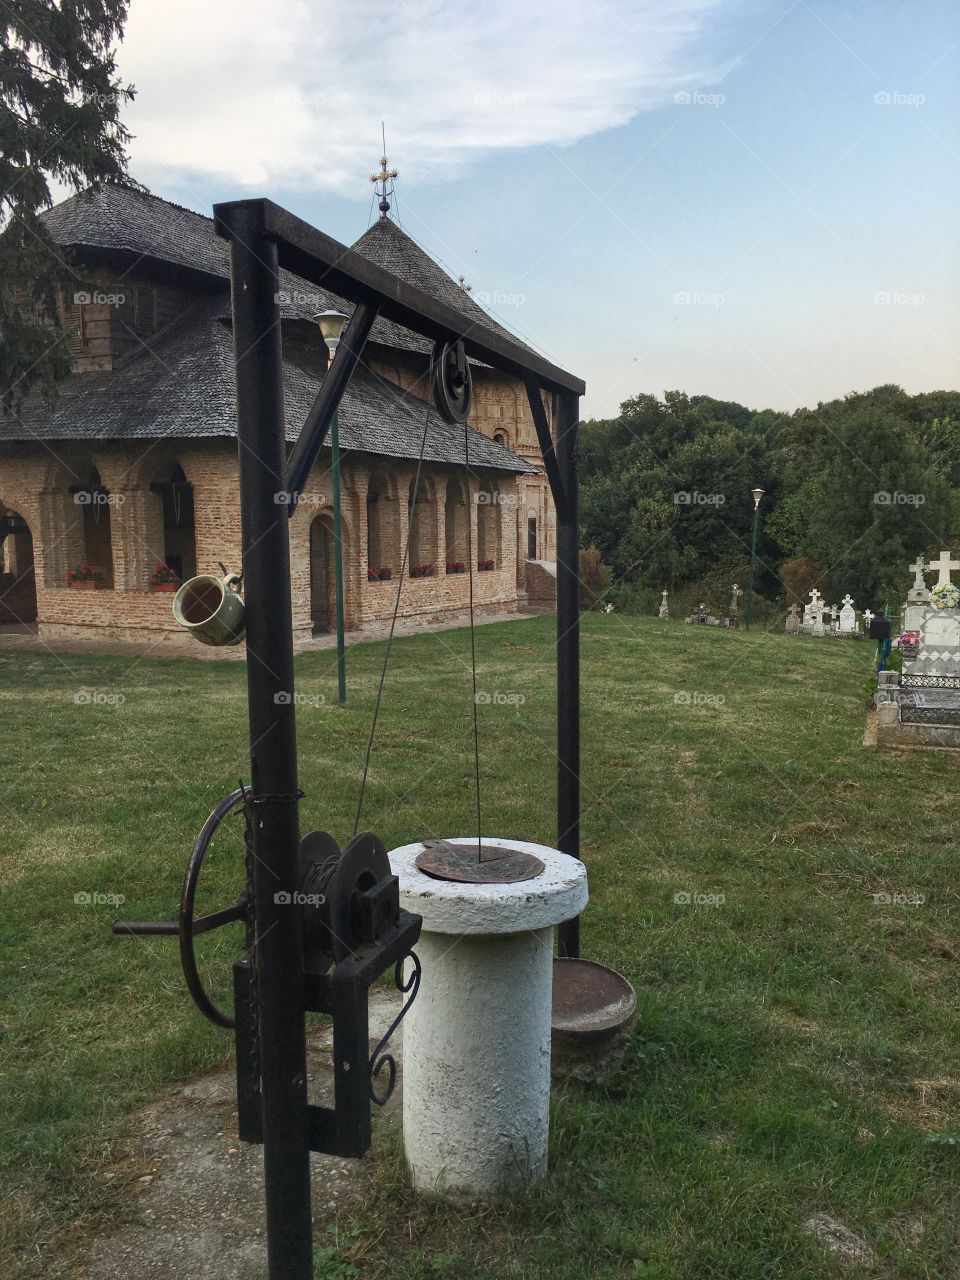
x=750, y=199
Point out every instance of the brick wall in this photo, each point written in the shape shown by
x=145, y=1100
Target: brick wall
x=37, y=488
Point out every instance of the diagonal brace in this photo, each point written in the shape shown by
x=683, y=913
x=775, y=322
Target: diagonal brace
x=314, y=432
x=551, y=466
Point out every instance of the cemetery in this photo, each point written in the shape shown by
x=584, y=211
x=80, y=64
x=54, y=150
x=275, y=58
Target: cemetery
x=510, y=893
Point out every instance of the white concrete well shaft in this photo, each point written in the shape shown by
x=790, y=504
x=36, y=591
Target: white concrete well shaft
x=476, y=1042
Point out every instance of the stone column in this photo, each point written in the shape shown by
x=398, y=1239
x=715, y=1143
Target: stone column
x=476, y=1080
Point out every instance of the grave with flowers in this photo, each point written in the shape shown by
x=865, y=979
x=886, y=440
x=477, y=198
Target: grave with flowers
x=921, y=705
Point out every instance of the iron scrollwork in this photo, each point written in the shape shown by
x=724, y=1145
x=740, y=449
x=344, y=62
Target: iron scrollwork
x=379, y=1059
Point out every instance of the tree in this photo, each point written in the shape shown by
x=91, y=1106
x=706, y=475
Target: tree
x=61, y=100
x=863, y=497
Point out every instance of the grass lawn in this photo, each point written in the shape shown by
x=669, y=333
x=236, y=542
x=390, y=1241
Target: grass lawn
x=797, y=1047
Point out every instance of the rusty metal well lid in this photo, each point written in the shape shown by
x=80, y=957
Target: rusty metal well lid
x=480, y=862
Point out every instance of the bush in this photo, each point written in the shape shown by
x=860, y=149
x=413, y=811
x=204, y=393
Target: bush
x=594, y=579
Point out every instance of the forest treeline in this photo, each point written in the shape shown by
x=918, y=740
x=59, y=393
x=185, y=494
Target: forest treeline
x=853, y=490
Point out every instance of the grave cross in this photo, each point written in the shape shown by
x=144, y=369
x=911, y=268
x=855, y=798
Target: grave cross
x=848, y=598
x=917, y=569
x=943, y=564
x=814, y=597
x=867, y=618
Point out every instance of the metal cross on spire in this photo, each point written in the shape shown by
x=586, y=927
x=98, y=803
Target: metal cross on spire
x=385, y=179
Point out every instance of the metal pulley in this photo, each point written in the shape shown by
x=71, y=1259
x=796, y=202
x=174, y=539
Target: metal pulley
x=452, y=381
x=353, y=931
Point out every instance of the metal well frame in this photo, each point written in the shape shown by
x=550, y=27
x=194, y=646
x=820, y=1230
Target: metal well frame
x=263, y=239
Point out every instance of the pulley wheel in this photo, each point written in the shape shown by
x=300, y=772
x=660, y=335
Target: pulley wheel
x=452, y=381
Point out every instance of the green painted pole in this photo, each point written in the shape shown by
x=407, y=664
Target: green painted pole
x=753, y=561
x=338, y=562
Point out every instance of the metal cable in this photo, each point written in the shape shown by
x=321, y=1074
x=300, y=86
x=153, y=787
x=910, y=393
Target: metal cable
x=393, y=623
x=473, y=640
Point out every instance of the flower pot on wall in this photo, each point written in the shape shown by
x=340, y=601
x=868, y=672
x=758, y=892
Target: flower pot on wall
x=87, y=584
x=165, y=586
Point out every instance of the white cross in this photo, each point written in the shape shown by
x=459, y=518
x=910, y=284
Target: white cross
x=814, y=596
x=867, y=617
x=917, y=569
x=942, y=566
x=848, y=599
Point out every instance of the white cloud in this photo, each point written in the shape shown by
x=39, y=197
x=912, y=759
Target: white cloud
x=294, y=94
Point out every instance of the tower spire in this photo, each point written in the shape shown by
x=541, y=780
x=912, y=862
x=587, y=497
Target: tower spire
x=384, y=180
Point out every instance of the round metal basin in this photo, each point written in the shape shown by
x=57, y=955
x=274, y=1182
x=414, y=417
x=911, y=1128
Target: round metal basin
x=593, y=1010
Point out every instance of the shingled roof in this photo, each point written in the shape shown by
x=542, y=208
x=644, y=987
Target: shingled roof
x=183, y=386
x=137, y=225
x=184, y=389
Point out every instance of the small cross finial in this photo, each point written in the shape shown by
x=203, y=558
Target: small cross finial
x=384, y=181
x=462, y=285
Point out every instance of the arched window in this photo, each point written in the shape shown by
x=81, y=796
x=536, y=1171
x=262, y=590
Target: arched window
x=423, y=527
x=383, y=528
x=456, y=513
x=93, y=501
x=500, y=437
x=179, y=551
x=489, y=508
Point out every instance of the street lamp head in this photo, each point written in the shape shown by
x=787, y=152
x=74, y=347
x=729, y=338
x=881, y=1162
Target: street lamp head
x=331, y=326
x=757, y=495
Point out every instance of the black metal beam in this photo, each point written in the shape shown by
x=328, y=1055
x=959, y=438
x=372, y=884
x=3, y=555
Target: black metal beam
x=273, y=746
x=318, y=258
x=317, y=423
x=567, y=418
x=550, y=464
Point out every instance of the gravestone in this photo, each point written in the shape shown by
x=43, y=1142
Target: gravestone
x=813, y=614
x=867, y=619
x=663, y=611
x=918, y=597
x=848, y=617
x=793, y=621
x=734, y=610
x=922, y=706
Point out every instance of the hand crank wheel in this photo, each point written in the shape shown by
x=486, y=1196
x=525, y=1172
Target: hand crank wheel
x=190, y=926
x=187, y=925
x=452, y=381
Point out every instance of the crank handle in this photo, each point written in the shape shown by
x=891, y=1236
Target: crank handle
x=164, y=928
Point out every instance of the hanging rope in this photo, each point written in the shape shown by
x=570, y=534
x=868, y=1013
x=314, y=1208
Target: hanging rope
x=393, y=625
x=473, y=642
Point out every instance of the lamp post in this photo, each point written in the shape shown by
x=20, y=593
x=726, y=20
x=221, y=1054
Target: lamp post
x=757, y=495
x=331, y=327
